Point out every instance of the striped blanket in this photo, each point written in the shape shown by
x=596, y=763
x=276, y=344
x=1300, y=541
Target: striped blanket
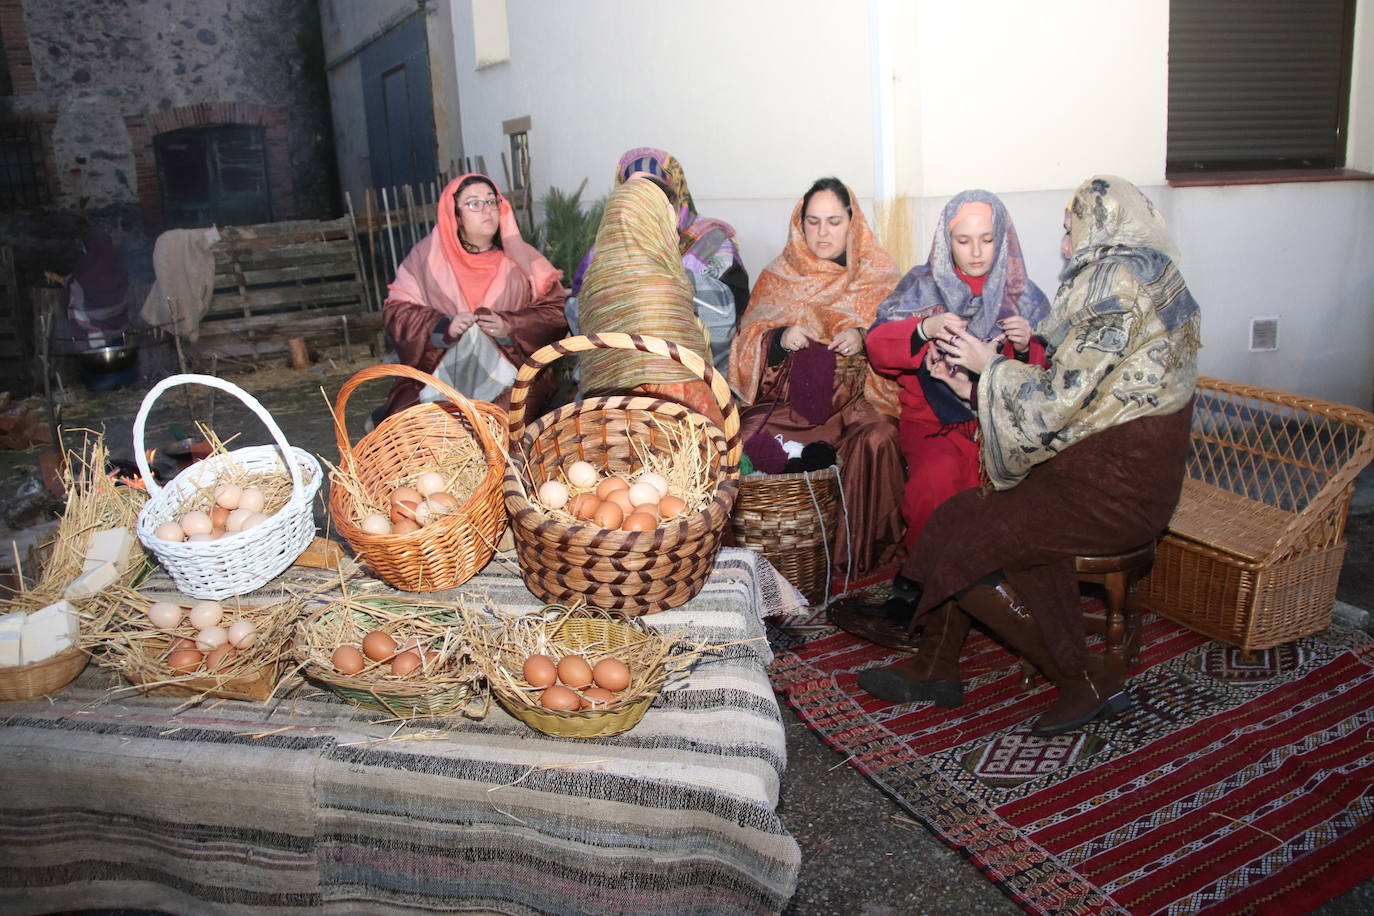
x=229, y=807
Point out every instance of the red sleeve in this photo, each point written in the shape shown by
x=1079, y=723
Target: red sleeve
x=889, y=347
x=1036, y=356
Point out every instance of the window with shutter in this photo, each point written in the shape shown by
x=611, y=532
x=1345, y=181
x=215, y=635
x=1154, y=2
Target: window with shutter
x=1258, y=84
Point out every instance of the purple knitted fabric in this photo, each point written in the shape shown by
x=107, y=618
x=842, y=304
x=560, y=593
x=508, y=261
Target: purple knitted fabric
x=811, y=388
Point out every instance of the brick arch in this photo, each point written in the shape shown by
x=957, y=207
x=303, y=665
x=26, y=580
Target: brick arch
x=272, y=119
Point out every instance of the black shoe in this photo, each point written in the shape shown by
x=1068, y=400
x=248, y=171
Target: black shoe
x=895, y=687
x=885, y=623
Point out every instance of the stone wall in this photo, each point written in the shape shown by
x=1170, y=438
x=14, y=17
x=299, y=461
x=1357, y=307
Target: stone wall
x=103, y=77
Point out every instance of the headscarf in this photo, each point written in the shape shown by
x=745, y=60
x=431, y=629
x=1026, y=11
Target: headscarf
x=441, y=274
x=706, y=245
x=636, y=284
x=1123, y=335
x=800, y=288
x=100, y=271
x=934, y=287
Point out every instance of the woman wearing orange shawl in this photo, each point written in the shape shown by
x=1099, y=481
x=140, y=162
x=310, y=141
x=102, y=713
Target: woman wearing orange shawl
x=809, y=309
x=475, y=296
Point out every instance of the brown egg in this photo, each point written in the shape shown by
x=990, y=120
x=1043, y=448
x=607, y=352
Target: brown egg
x=608, y=515
x=559, y=697
x=404, y=526
x=540, y=671
x=597, y=698
x=407, y=493
x=182, y=643
x=219, y=516
x=348, y=660
x=610, y=485
x=574, y=671
x=184, y=661
x=220, y=657
x=442, y=502
x=611, y=673
x=640, y=521
x=378, y=645
x=648, y=509
x=404, y=508
x=584, y=505
x=622, y=499
x=406, y=664
x=671, y=506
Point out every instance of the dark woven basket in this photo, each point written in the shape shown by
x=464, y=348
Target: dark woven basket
x=790, y=519
x=635, y=572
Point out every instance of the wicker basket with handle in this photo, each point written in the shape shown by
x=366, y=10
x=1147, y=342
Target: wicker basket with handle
x=449, y=550
x=247, y=560
x=635, y=572
x=27, y=682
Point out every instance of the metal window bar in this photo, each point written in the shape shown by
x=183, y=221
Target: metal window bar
x=24, y=180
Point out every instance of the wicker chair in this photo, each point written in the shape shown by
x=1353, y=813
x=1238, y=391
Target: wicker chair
x=1255, y=548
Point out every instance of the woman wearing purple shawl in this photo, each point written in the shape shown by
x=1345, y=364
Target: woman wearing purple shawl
x=975, y=280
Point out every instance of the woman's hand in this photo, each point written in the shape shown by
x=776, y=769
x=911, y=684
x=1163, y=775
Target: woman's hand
x=459, y=323
x=941, y=325
x=1018, y=331
x=957, y=379
x=966, y=351
x=848, y=342
x=796, y=337
x=492, y=323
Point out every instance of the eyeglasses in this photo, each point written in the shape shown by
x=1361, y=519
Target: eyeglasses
x=477, y=204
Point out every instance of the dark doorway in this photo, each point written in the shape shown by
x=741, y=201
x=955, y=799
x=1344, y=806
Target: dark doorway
x=213, y=176
x=399, y=106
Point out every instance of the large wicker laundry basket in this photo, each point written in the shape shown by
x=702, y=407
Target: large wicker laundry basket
x=636, y=572
x=449, y=550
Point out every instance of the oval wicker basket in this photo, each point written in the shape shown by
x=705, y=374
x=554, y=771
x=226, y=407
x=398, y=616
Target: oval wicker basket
x=28, y=682
x=411, y=697
x=598, y=637
x=250, y=559
x=790, y=519
x=450, y=550
x=640, y=572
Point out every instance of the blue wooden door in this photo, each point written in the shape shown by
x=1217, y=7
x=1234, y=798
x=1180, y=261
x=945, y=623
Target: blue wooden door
x=399, y=106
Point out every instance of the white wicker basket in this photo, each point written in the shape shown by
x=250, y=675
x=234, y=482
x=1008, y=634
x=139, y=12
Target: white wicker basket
x=250, y=559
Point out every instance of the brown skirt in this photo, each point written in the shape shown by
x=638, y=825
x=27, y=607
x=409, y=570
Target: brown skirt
x=1108, y=493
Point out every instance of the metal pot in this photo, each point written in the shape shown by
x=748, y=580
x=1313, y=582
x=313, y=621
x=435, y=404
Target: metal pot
x=108, y=359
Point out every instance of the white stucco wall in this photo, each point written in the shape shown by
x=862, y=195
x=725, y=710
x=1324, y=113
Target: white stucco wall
x=922, y=99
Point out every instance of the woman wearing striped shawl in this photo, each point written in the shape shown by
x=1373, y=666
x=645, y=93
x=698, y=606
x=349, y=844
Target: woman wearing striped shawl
x=636, y=284
x=1085, y=457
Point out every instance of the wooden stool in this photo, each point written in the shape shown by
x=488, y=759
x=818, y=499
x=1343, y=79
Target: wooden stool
x=1120, y=622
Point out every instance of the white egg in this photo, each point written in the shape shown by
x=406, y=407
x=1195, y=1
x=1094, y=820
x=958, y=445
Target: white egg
x=203, y=536
x=228, y=495
x=196, y=523
x=236, y=519
x=165, y=614
x=170, y=531
x=553, y=495
x=376, y=524
x=642, y=493
x=254, y=520
x=252, y=499
x=655, y=480
x=206, y=614
x=582, y=475
x=242, y=633
x=211, y=638
x=429, y=482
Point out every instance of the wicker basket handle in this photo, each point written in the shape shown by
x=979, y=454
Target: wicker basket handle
x=550, y=354
x=397, y=370
x=172, y=381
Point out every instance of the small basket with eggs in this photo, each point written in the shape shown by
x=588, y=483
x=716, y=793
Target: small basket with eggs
x=620, y=502
x=419, y=497
x=408, y=658
x=581, y=672
x=190, y=525
x=195, y=648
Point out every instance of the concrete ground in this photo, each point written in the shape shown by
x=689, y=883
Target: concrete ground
x=861, y=853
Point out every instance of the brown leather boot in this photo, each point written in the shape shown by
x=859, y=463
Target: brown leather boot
x=931, y=675
x=1084, y=695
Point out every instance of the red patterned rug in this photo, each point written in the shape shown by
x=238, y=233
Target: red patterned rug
x=1232, y=786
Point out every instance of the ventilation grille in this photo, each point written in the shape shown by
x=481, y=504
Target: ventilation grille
x=1264, y=334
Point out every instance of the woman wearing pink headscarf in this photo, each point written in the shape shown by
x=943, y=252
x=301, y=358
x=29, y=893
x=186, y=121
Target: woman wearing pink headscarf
x=472, y=301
